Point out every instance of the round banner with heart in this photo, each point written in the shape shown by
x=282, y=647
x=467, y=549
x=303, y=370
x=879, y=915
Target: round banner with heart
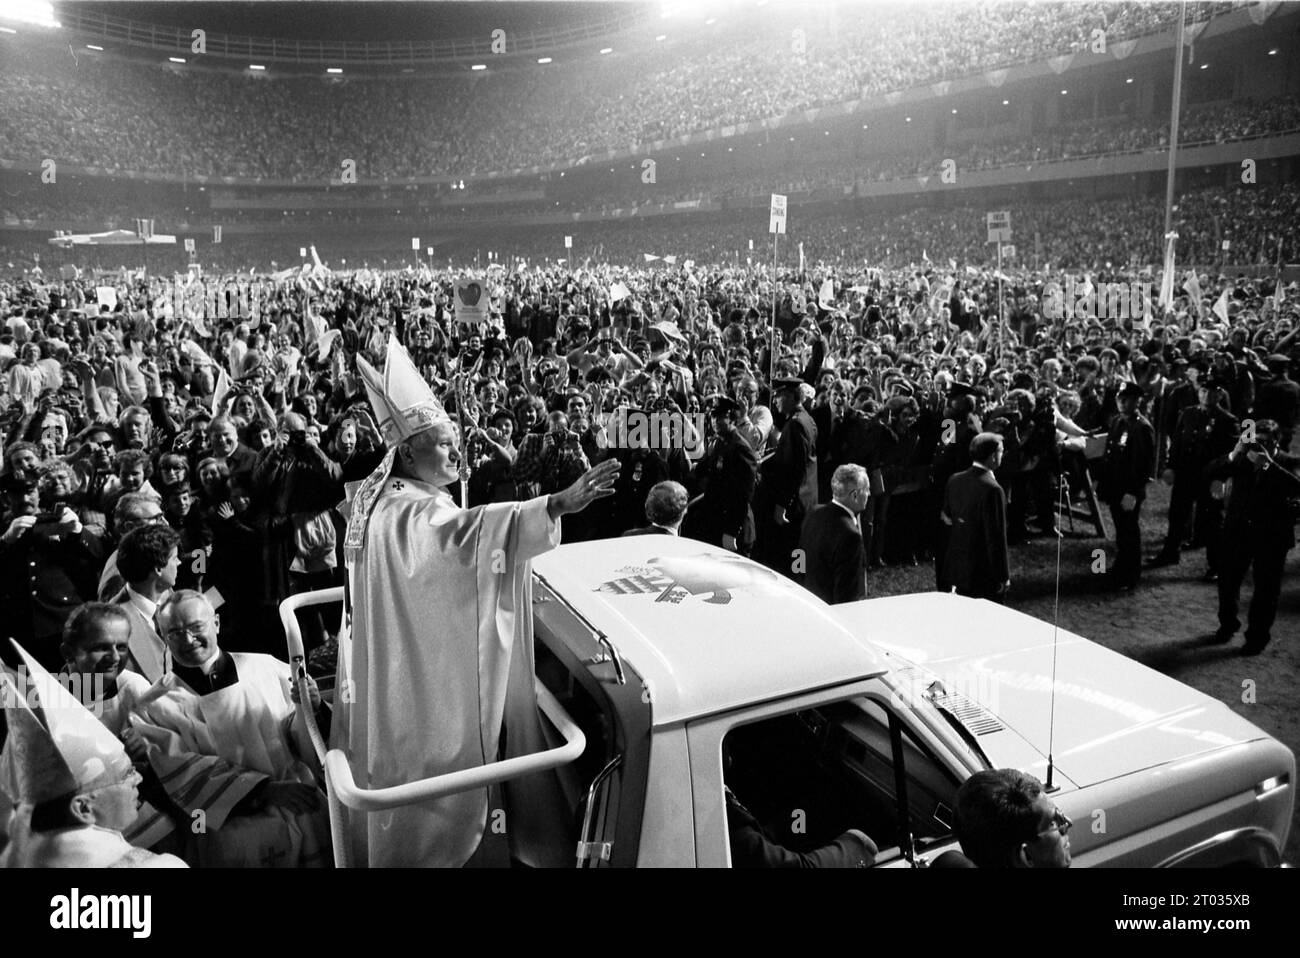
x=471, y=301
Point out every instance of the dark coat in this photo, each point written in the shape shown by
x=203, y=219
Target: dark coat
x=44, y=575
x=833, y=554
x=647, y=531
x=726, y=477
x=1130, y=459
x=790, y=476
x=975, y=562
x=1258, y=511
x=751, y=847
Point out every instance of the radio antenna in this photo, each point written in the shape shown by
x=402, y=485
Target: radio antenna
x=1063, y=503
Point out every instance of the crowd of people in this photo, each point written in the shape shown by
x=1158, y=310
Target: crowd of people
x=1072, y=233
x=174, y=466
x=87, y=110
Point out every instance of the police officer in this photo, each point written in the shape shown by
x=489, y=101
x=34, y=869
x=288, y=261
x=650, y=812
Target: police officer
x=1129, y=465
x=1203, y=433
x=725, y=481
x=1259, y=530
x=789, y=488
x=47, y=569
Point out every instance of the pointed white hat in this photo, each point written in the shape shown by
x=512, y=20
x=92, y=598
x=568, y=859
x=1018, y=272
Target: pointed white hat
x=58, y=749
x=403, y=402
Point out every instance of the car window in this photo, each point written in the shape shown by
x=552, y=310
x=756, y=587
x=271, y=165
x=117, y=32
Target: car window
x=805, y=778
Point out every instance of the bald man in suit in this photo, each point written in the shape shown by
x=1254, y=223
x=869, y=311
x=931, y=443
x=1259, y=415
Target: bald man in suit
x=831, y=539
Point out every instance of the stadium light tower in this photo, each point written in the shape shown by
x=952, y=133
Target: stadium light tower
x=29, y=11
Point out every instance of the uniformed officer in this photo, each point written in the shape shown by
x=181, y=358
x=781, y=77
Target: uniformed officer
x=1129, y=465
x=1259, y=530
x=1203, y=433
x=47, y=569
x=725, y=481
x=789, y=488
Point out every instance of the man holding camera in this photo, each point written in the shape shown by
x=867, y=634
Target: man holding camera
x=1259, y=529
x=46, y=558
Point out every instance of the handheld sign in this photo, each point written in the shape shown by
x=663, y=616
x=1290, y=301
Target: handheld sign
x=471, y=302
x=999, y=225
x=776, y=223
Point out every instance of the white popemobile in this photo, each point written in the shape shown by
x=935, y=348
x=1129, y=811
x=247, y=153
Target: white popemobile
x=671, y=667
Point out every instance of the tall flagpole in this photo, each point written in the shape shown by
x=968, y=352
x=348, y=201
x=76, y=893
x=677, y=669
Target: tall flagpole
x=1174, y=110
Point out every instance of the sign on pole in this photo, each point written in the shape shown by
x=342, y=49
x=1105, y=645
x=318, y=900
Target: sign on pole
x=776, y=223
x=999, y=226
x=568, y=242
x=189, y=245
x=415, y=243
x=1009, y=251
x=471, y=304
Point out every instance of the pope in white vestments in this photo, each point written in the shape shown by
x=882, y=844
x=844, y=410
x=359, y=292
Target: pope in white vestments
x=438, y=675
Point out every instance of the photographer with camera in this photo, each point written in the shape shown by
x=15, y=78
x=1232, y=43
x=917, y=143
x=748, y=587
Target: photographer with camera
x=1259, y=529
x=48, y=564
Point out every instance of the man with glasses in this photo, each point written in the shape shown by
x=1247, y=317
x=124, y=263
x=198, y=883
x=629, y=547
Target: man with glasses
x=133, y=510
x=1004, y=819
x=232, y=750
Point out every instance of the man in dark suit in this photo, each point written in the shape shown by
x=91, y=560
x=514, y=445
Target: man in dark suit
x=831, y=539
x=1129, y=465
x=1259, y=530
x=665, y=507
x=726, y=478
x=975, y=561
x=1279, y=400
x=789, y=489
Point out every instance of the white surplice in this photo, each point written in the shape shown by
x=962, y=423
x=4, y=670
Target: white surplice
x=439, y=665
x=210, y=751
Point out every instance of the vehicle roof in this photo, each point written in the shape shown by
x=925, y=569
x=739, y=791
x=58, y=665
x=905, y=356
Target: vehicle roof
x=1112, y=714
x=707, y=630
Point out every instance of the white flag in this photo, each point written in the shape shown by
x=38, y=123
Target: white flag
x=649, y=258
x=1193, y=287
x=1220, y=308
x=222, y=388
x=1167, y=279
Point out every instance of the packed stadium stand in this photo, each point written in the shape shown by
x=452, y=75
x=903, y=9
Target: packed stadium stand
x=669, y=132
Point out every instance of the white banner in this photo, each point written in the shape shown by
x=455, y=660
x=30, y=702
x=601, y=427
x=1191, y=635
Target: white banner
x=776, y=222
x=471, y=302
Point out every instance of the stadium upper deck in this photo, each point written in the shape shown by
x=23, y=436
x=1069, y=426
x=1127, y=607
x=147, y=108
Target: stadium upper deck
x=759, y=65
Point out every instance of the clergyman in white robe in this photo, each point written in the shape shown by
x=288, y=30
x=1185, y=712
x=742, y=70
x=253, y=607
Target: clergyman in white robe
x=212, y=751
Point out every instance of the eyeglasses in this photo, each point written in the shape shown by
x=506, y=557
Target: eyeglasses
x=195, y=630
x=1060, y=823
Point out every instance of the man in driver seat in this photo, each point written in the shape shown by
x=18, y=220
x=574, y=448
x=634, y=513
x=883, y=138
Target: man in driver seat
x=751, y=846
